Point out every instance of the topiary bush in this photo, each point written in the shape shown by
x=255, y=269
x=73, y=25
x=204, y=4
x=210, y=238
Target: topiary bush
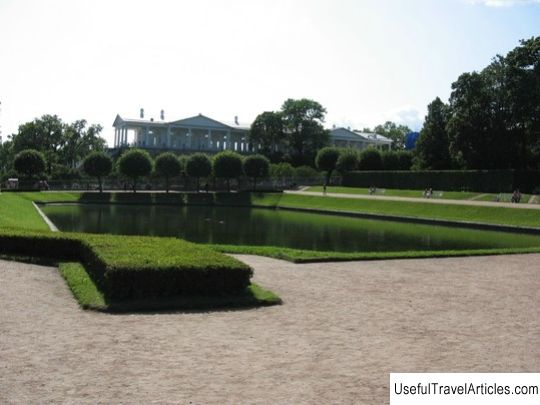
x=326, y=160
x=198, y=165
x=370, y=159
x=167, y=166
x=29, y=163
x=256, y=167
x=227, y=165
x=134, y=164
x=99, y=165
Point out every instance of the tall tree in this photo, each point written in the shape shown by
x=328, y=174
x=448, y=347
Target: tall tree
x=43, y=134
x=78, y=141
x=432, y=150
x=134, y=164
x=303, y=121
x=393, y=131
x=267, y=131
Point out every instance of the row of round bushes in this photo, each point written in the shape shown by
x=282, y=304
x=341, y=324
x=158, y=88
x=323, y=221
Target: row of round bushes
x=138, y=163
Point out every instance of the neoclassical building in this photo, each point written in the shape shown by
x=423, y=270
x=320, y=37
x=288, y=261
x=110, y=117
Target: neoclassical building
x=198, y=133
x=346, y=138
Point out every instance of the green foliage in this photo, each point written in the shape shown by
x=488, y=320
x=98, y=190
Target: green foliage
x=82, y=286
x=282, y=171
x=347, y=161
x=29, y=163
x=306, y=173
x=302, y=120
x=267, y=131
x=393, y=131
x=326, y=160
x=370, y=159
x=227, y=165
x=59, y=142
x=492, y=117
x=168, y=165
x=127, y=267
x=198, y=165
x=256, y=167
x=432, y=150
x=405, y=159
x=493, y=181
x=134, y=164
x=99, y=165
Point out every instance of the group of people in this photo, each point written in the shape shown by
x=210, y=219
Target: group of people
x=428, y=192
x=516, y=196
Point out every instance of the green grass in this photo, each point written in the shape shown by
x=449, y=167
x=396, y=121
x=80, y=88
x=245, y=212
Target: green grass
x=81, y=285
x=17, y=211
x=448, y=212
x=89, y=296
x=312, y=256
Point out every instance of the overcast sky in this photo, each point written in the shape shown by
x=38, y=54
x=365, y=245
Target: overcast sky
x=366, y=61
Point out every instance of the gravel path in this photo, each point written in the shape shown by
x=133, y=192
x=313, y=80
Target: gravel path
x=342, y=329
x=423, y=200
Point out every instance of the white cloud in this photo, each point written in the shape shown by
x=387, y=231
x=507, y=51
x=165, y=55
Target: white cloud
x=503, y=3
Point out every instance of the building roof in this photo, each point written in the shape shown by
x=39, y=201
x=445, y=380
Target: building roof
x=197, y=121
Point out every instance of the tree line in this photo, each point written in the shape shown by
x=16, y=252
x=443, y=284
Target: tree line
x=492, y=119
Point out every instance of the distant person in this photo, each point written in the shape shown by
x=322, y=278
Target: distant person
x=324, y=189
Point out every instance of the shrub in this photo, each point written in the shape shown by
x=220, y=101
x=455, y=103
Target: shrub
x=135, y=267
x=168, y=165
x=370, y=159
x=29, y=163
x=227, y=165
x=99, y=165
x=326, y=160
x=405, y=160
x=389, y=160
x=198, y=165
x=347, y=161
x=306, y=172
x=256, y=166
x=134, y=164
x=282, y=171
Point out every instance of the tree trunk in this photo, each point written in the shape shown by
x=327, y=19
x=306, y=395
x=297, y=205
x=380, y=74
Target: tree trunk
x=198, y=187
x=100, y=185
x=134, y=184
x=228, y=185
x=167, y=184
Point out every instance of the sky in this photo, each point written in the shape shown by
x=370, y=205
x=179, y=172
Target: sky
x=365, y=61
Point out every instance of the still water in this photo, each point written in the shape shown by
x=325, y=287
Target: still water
x=254, y=226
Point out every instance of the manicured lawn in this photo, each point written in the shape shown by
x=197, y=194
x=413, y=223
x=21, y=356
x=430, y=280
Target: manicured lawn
x=464, y=213
x=19, y=212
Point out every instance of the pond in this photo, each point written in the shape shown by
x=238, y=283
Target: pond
x=257, y=226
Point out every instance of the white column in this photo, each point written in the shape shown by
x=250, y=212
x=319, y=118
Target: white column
x=115, y=136
x=168, y=136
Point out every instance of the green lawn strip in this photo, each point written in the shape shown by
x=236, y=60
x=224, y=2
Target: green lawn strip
x=449, y=195
x=82, y=286
x=19, y=212
x=89, y=296
x=448, y=212
x=311, y=256
x=141, y=270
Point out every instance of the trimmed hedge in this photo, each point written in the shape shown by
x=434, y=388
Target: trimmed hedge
x=488, y=181
x=132, y=267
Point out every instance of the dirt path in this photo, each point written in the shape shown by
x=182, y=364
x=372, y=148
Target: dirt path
x=342, y=329
x=423, y=200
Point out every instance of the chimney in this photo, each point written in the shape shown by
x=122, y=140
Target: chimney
x=236, y=120
x=162, y=115
x=142, y=113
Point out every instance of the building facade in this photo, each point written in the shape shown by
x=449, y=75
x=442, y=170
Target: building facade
x=204, y=134
x=346, y=138
x=193, y=134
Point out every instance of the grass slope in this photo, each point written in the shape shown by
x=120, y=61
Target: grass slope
x=17, y=211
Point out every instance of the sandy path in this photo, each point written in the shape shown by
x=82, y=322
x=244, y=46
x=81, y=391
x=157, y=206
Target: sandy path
x=342, y=329
x=422, y=200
